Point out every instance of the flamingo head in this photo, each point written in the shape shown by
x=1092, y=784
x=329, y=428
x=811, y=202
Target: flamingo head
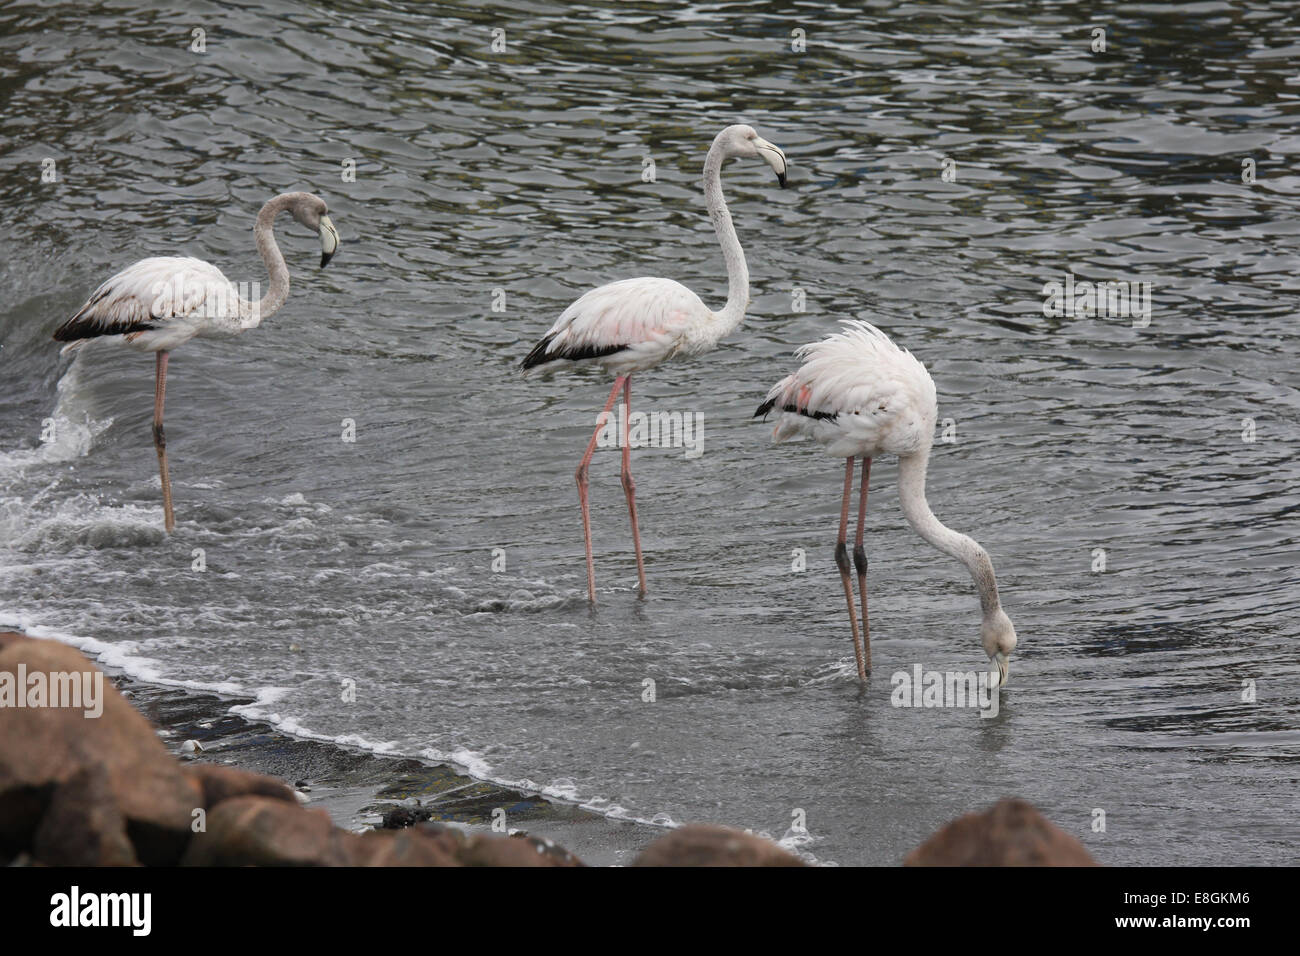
x=311, y=211
x=998, y=635
x=744, y=142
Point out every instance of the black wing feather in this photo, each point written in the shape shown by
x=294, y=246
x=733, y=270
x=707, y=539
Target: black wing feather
x=768, y=405
x=85, y=326
x=539, y=355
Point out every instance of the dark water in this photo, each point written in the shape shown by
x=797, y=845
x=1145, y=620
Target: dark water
x=520, y=171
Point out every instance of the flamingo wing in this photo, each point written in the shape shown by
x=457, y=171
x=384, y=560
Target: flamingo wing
x=643, y=321
x=858, y=393
x=150, y=294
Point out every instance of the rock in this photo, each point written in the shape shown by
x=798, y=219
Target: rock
x=468, y=848
x=266, y=831
x=708, y=845
x=21, y=809
x=80, y=789
x=82, y=825
x=485, y=849
x=43, y=747
x=1011, y=833
x=400, y=817
x=217, y=783
x=403, y=848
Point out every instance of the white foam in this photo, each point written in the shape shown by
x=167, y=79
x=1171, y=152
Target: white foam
x=79, y=520
x=124, y=656
x=120, y=656
x=265, y=710
x=73, y=429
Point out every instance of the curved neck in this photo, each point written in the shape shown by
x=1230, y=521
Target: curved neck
x=252, y=313
x=911, y=494
x=737, y=271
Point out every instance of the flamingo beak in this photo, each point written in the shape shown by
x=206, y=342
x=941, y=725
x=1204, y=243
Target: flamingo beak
x=1003, y=665
x=329, y=240
x=773, y=156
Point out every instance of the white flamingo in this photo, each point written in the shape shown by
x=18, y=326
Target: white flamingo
x=860, y=395
x=635, y=324
x=160, y=303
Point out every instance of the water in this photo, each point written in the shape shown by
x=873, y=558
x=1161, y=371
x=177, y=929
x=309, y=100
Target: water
x=521, y=171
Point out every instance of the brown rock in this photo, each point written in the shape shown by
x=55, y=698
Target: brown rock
x=104, y=791
x=468, y=848
x=708, y=845
x=42, y=747
x=1011, y=833
x=485, y=849
x=218, y=783
x=83, y=826
x=265, y=831
x=399, y=848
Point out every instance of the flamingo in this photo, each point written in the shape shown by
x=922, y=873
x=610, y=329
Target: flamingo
x=860, y=395
x=635, y=324
x=162, y=302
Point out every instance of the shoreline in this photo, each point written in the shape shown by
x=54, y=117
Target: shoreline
x=357, y=787
x=129, y=781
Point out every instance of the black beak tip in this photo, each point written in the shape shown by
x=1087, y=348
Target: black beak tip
x=325, y=257
x=780, y=178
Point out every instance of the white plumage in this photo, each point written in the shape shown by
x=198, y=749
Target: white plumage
x=634, y=324
x=160, y=303
x=858, y=394
x=631, y=325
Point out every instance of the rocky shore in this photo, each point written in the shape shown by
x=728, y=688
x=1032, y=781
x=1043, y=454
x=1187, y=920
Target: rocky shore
x=90, y=782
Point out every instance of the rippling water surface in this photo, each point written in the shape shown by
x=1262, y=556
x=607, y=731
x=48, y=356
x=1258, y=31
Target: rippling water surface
x=516, y=177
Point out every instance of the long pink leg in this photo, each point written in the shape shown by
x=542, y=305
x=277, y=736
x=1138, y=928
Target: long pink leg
x=842, y=560
x=160, y=438
x=860, y=561
x=629, y=486
x=581, y=475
